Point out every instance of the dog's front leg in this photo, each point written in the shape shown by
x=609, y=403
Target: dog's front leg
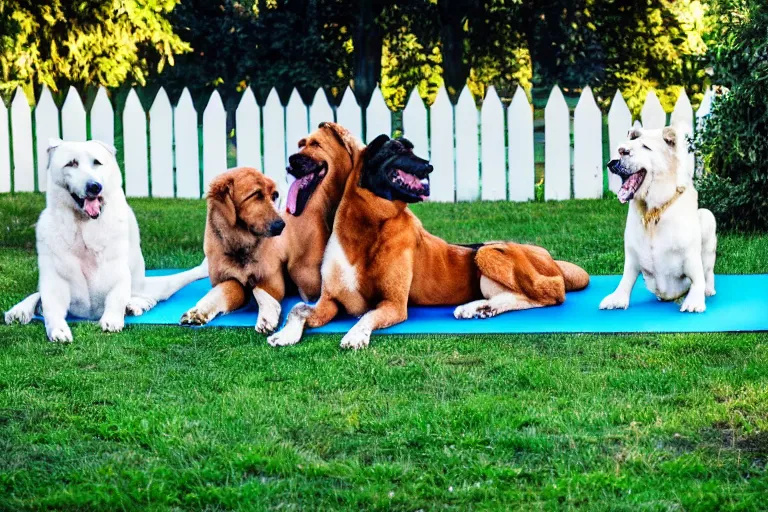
x=269, y=311
x=224, y=298
x=619, y=299
x=694, y=302
x=303, y=314
x=387, y=313
x=55, y=297
x=113, y=318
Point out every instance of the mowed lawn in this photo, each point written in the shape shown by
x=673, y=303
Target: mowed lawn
x=158, y=418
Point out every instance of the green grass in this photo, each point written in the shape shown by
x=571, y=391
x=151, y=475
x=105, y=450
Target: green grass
x=165, y=418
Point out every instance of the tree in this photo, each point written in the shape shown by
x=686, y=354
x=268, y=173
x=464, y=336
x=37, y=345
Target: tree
x=89, y=42
x=732, y=143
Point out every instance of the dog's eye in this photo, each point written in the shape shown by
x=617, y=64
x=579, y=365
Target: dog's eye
x=259, y=195
x=275, y=195
x=314, y=144
x=646, y=147
x=96, y=162
x=72, y=163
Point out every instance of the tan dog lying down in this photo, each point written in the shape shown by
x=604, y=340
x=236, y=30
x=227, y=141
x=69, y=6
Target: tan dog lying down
x=242, y=208
x=379, y=258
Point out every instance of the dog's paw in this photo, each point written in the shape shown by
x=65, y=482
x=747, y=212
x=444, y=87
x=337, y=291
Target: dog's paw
x=289, y=335
x=693, y=305
x=615, y=301
x=60, y=334
x=19, y=314
x=137, y=306
x=356, y=339
x=267, y=322
x=112, y=323
x=474, y=311
x=709, y=292
x=195, y=317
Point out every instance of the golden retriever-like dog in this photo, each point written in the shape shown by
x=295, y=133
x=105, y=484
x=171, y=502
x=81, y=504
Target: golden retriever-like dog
x=379, y=258
x=321, y=167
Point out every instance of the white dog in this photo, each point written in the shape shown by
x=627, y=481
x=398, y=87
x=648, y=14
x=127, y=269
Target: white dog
x=88, y=248
x=668, y=237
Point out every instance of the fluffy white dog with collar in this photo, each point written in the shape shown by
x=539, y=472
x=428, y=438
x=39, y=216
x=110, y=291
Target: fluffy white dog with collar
x=668, y=237
x=88, y=247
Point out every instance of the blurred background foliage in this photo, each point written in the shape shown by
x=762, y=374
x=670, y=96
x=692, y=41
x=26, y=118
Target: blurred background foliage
x=630, y=45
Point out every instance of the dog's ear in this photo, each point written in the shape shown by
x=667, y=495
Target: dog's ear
x=342, y=135
x=375, y=146
x=635, y=133
x=670, y=136
x=53, y=143
x=108, y=147
x=405, y=142
x=220, y=198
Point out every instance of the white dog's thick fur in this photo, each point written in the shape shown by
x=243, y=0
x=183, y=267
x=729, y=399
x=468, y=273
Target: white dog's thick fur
x=88, y=247
x=667, y=237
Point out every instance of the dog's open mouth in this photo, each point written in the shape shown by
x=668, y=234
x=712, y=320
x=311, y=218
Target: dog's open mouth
x=90, y=205
x=630, y=181
x=301, y=190
x=409, y=184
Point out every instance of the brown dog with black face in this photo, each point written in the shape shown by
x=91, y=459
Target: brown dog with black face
x=379, y=258
x=321, y=168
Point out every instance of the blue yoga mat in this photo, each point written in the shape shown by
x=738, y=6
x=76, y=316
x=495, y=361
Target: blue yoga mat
x=741, y=304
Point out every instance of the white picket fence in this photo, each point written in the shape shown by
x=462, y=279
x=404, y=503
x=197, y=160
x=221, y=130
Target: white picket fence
x=467, y=147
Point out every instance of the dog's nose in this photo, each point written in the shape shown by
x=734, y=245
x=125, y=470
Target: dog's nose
x=276, y=227
x=624, y=151
x=92, y=188
x=429, y=169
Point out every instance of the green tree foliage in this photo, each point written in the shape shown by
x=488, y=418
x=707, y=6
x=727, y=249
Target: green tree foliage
x=84, y=42
x=732, y=144
x=301, y=43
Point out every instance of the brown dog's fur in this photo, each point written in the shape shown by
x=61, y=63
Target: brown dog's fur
x=241, y=262
x=243, y=257
x=380, y=259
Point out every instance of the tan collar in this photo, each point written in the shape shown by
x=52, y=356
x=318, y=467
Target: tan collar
x=653, y=216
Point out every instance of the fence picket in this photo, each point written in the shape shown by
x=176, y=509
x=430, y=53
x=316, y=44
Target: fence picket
x=521, y=160
x=161, y=145
x=441, y=119
x=73, y=117
x=467, y=170
x=274, y=139
x=135, y=144
x=682, y=117
x=296, y=121
x=214, y=139
x=320, y=111
x=706, y=106
x=378, y=117
x=619, y=123
x=21, y=130
x=5, y=151
x=557, y=147
x=587, y=148
x=415, y=124
x=46, y=127
x=652, y=114
x=248, y=131
x=103, y=118
x=349, y=114
x=187, y=147
x=494, y=172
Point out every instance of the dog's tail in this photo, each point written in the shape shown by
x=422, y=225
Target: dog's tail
x=576, y=278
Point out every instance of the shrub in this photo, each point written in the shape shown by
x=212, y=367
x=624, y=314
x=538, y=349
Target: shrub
x=733, y=143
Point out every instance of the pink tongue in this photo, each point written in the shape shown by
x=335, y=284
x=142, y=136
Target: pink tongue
x=628, y=189
x=293, y=193
x=92, y=207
